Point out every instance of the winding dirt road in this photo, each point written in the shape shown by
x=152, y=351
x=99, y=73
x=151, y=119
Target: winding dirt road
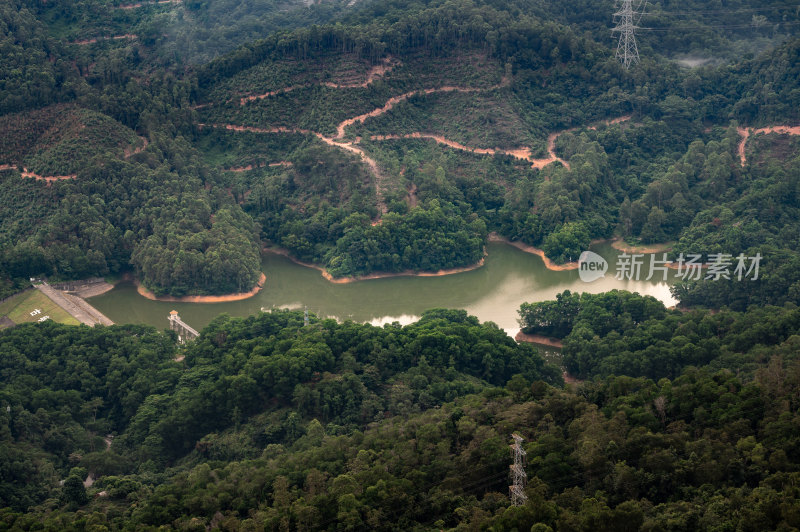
x=518, y=153
x=141, y=4
x=376, y=72
x=249, y=167
x=337, y=141
x=402, y=97
x=48, y=178
x=96, y=39
x=745, y=133
x=524, y=154
x=347, y=146
x=32, y=175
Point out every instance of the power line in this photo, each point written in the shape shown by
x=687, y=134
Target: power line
x=627, y=52
x=517, y=472
x=722, y=11
x=706, y=26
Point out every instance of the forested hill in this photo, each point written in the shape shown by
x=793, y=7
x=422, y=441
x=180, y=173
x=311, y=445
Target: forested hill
x=264, y=423
x=175, y=139
x=392, y=140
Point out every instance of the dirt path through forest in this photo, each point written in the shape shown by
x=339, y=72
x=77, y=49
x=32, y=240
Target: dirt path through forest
x=48, y=178
x=402, y=97
x=249, y=167
x=97, y=39
x=524, y=154
x=518, y=153
x=376, y=72
x=745, y=133
x=141, y=4
x=32, y=175
x=251, y=129
x=347, y=146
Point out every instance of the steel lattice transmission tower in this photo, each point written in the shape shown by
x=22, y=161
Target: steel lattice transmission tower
x=627, y=52
x=517, y=472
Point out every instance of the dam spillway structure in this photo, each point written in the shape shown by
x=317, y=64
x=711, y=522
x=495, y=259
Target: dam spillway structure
x=184, y=331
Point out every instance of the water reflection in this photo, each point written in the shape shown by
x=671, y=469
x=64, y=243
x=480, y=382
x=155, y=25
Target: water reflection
x=492, y=293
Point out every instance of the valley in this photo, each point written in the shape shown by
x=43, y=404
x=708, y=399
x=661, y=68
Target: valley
x=329, y=255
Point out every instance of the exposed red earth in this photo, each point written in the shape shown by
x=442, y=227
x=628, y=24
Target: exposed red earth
x=376, y=72
x=96, y=39
x=140, y=4
x=745, y=133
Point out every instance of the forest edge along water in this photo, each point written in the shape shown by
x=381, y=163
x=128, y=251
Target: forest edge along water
x=378, y=275
x=144, y=292
x=493, y=292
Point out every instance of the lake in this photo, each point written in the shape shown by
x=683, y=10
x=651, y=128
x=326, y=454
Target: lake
x=493, y=292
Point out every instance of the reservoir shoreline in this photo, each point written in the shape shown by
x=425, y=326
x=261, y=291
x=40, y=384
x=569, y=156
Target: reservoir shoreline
x=492, y=292
x=144, y=292
x=377, y=275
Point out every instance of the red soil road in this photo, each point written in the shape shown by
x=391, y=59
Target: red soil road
x=252, y=167
x=94, y=40
x=519, y=153
x=402, y=97
x=140, y=4
x=373, y=165
x=377, y=71
x=251, y=129
x=32, y=175
x=243, y=168
x=745, y=133
x=49, y=178
x=254, y=97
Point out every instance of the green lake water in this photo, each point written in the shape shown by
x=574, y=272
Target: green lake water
x=493, y=292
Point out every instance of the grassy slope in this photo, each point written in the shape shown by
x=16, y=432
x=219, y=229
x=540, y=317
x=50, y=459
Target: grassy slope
x=18, y=309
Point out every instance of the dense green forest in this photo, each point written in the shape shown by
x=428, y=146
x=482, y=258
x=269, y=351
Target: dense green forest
x=619, y=333
x=263, y=422
x=174, y=140
x=648, y=154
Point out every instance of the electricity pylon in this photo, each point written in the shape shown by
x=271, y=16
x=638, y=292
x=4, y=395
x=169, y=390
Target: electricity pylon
x=517, y=472
x=627, y=52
